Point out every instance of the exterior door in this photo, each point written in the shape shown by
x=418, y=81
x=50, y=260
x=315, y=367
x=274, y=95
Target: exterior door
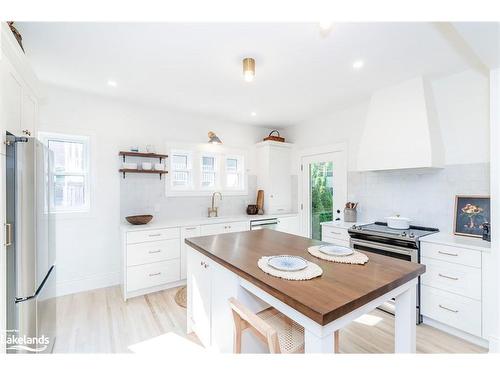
x=324, y=190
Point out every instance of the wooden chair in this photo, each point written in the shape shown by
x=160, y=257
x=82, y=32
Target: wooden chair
x=277, y=331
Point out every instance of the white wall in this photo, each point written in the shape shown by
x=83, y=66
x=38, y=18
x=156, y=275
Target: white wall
x=462, y=105
x=88, y=250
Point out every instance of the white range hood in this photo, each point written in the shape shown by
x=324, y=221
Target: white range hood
x=401, y=129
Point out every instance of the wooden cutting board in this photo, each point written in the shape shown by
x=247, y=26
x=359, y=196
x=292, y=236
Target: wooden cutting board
x=260, y=199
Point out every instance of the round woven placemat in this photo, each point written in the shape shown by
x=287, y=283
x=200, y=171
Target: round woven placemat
x=310, y=272
x=355, y=258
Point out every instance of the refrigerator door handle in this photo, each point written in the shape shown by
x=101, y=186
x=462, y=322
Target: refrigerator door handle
x=24, y=299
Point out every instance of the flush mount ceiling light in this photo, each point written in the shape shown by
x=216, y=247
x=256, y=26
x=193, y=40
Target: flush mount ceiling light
x=253, y=114
x=325, y=27
x=213, y=139
x=358, y=64
x=112, y=83
x=248, y=69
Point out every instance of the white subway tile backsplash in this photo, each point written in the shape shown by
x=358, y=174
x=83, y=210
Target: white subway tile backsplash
x=425, y=196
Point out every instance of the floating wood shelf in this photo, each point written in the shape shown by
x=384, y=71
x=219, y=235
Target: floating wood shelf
x=142, y=155
x=124, y=171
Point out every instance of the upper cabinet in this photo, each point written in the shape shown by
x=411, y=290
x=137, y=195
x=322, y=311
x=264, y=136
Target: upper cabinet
x=401, y=129
x=273, y=175
x=19, y=89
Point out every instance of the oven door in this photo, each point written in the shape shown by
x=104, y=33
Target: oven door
x=408, y=254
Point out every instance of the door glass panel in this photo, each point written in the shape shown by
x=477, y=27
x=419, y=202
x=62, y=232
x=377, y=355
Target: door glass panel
x=321, y=196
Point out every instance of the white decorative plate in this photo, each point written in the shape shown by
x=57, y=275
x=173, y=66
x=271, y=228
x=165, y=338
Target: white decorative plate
x=287, y=262
x=335, y=250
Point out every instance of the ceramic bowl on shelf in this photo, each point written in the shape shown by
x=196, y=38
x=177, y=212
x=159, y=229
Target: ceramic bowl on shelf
x=159, y=167
x=129, y=165
x=146, y=166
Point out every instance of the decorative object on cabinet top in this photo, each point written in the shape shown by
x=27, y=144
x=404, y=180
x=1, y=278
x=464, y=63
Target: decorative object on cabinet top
x=149, y=170
x=139, y=219
x=16, y=33
x=276, y=138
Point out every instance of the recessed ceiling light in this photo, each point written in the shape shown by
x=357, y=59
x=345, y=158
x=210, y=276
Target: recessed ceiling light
x=358, y=64
x=253, y=114
x=112, y=83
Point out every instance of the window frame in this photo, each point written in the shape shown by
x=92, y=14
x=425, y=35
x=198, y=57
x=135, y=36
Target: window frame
x=45, y=138
x=240, y=171
x=216, y=171
x=189, y=170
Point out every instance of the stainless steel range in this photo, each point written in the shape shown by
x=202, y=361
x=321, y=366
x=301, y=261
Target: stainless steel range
x=397, y=243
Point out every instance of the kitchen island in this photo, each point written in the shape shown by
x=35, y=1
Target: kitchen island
x=224, y=266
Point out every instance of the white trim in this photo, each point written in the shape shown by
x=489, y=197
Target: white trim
x=455, y=332
x=83, y=284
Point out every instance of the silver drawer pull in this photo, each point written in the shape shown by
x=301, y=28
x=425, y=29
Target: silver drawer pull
x=154, y=274
x=447, y=308
x=337, y=233
x=445, y=253
x=154, y=235
x=448, y=277
x=155, y=251
x=191, y=228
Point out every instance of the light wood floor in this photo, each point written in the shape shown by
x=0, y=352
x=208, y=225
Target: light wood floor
x=99, y=321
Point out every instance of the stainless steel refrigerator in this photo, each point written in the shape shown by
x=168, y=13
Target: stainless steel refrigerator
x=31, y=270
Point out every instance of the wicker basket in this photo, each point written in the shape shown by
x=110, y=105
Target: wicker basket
x=275, y=138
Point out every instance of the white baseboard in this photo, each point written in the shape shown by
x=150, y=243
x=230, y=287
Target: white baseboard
x=87, y=283
x=456, y=332
x=494, y=344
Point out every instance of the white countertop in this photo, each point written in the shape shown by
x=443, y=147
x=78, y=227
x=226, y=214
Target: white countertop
x=450, y=239
x=154, y=224
x=342, y=224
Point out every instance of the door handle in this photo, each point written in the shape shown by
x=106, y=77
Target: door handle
x=8, y=234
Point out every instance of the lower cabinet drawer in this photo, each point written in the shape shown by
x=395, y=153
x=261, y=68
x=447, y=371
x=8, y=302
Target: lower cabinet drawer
x=456, y=311
x=334, y=232
x=152, y=235
x=335, y=241
x=149, y=275
x=452, y=277
x=148, y=252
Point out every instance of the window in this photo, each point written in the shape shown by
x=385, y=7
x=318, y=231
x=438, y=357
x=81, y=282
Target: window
x=181, y=170
x=234, y=172
x=208, y=171
x=70, y=170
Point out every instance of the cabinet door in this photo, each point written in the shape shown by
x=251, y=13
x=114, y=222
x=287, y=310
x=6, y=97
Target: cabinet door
x=12, y=96
x=238, y=226
x=200, y=288
x=279, y=197
x=28, y=115
x=288, y=225
x=211, y=229
x=186, y=232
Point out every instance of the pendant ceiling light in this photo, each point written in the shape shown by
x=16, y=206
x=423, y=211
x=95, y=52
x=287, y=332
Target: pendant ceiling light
x=248, y=69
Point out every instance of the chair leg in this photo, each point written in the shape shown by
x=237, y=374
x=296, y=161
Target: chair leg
x=336, y=339
x=237, y=333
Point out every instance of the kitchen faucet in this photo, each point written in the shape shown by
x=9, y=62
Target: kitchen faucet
x=212, y=211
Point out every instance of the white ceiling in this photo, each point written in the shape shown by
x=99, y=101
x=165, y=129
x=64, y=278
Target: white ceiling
x=197, y=67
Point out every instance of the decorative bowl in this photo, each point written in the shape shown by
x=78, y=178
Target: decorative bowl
x=139, y=219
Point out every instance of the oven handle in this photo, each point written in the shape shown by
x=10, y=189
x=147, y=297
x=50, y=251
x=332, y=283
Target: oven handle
x=391, y=248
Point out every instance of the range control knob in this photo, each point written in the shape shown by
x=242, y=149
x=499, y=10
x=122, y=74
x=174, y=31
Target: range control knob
x=403, y=234
x=412, y=235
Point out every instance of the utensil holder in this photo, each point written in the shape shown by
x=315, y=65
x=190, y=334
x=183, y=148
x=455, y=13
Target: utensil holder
x=350, y=215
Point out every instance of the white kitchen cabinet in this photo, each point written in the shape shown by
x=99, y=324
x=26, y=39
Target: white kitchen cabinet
x=151, y=261
x=273, y=176
x=289, y=225
x=335, y=235
x=199, y=295
x=187, y=232
x=219, y=228
x=452, y=297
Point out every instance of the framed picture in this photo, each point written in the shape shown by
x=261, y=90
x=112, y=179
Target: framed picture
x=471, y=212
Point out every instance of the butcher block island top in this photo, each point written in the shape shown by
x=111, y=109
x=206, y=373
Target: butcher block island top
x=341, y=289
